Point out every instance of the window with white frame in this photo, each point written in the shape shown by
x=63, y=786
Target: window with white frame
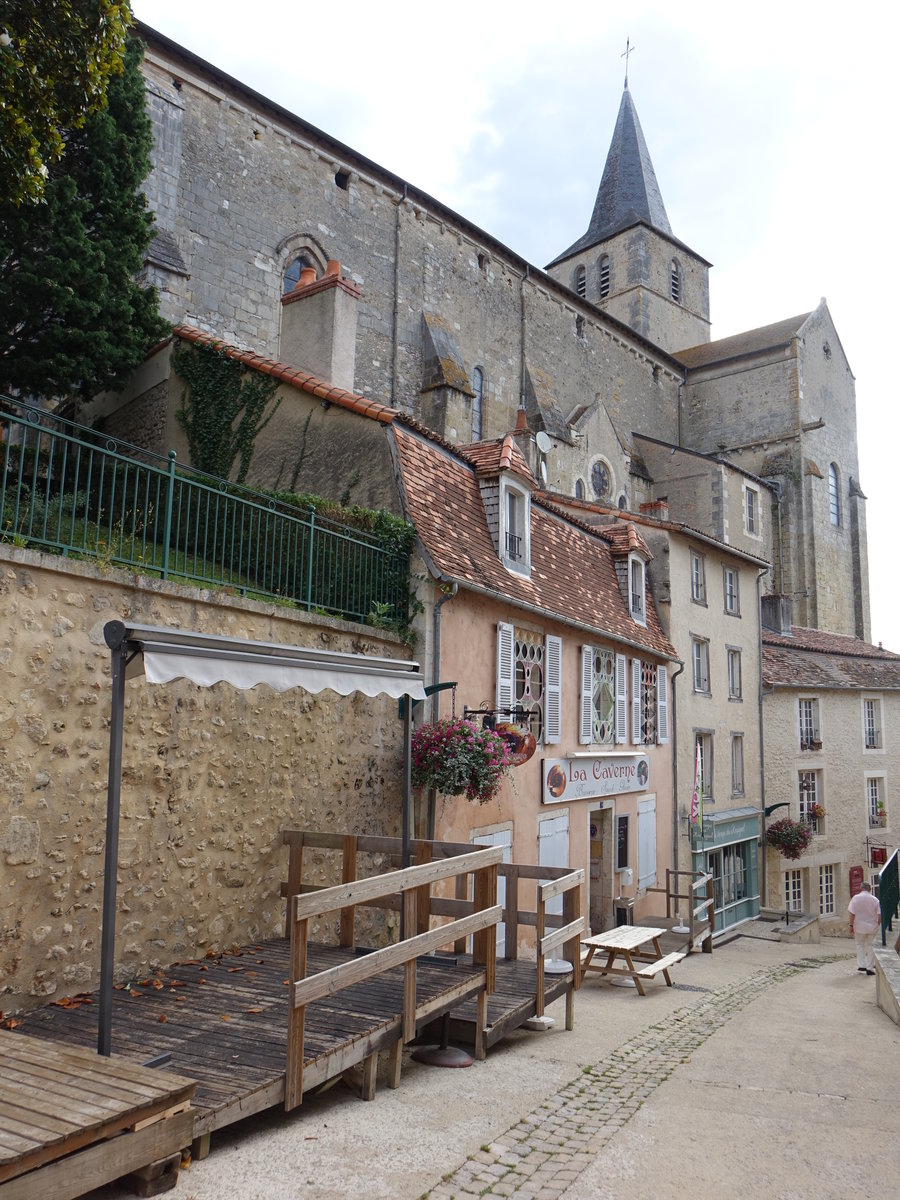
x=515, y=507
x=604, y=697
x=732, y=592
x=734, y=673
x=529, y=676
x=826, y=890
x=751, y=510
x=793, y=890
x=477, y=403
x=872, y=722
x=737, y=764
x=703, y=743
x=875, y=802
x=649, y=703
x=810, y=732
x=700, y=660
x=809, y=787
x=834, y=494
x=698, y=577
x=637, y=587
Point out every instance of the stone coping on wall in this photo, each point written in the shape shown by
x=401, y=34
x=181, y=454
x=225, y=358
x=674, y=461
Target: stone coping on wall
x=887, y=980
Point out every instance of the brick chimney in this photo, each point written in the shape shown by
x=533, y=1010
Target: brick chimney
x=776, y=613
x=318, y=326
x=657, y=508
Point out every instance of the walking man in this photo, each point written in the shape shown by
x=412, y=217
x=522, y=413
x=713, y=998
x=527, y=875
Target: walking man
x=865, y=920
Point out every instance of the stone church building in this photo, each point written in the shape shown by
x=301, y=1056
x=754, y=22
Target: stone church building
x=751, y=439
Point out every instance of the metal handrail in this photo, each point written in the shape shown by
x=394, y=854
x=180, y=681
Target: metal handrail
x=70, y=490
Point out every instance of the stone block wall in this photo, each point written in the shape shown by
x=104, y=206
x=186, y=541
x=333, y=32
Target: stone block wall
x=210, y=777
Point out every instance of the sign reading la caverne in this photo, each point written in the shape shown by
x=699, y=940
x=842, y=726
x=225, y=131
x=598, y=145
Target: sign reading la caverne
x=595, y=775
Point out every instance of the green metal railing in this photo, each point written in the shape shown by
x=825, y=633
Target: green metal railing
x=888, y=895
x=68, y=489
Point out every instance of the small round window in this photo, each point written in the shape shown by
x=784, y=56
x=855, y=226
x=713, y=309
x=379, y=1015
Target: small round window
x=601, y=480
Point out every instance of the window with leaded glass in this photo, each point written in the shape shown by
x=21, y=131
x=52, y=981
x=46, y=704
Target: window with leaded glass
x=826, y=890
x=601, y=480
x=529, y=651
x=793, y=891
x=603, y=698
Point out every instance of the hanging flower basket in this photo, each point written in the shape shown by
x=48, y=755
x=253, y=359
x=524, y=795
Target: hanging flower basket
x=456, y=757
x=815, y=812
x=789, y=836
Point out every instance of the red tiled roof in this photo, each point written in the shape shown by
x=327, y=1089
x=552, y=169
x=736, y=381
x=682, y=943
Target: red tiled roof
x=301, y=380
x=623, y=539
x=499, y=454
x=572, y=572
x=814, y=658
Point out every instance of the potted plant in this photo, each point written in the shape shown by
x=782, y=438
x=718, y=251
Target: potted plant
x=456, y=757
x=815, y=811
x=790, y=837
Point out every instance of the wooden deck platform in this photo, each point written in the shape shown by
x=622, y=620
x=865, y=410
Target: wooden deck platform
x=71, y=1120
x=512, y=1003
x=224, y=1021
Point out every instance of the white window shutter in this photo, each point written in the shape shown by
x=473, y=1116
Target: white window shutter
x=506, y=665
x=662, y=705
x=586, y=706
x=553, y=690
x=636, y=714
x=621, y=698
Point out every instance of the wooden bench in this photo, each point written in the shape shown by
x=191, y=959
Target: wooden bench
x=661, y=964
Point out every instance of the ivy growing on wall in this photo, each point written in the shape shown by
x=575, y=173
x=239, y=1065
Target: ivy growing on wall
x=223, y=409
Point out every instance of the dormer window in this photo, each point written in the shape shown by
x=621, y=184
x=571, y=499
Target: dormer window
x=637, y=581
x=515, y=539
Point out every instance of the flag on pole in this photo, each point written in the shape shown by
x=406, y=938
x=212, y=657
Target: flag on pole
x=697, y=794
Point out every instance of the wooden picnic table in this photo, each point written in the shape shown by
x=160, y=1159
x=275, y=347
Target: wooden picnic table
x=623, y=945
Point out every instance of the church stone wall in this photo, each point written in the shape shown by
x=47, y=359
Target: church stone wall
x=210, y=777
x=725, y=410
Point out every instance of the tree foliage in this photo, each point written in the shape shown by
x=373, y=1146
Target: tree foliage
x=57, y=58
x=73, y=319
x=222, y=409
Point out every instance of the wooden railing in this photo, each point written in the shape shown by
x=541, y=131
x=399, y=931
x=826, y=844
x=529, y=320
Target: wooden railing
x=698, y=911
x=408, y=889
x=552, y=930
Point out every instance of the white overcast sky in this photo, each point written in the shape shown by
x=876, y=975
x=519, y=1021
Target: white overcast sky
x=772, y=129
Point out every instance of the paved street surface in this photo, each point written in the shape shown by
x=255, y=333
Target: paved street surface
x=766, y=1071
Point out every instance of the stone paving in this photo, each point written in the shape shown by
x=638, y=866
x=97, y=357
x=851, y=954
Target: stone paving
x=542, y=1155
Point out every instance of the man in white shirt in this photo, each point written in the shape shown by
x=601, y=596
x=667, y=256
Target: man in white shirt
x=865, y=921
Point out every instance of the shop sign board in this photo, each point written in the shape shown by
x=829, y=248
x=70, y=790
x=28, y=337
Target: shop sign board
x=588, y=776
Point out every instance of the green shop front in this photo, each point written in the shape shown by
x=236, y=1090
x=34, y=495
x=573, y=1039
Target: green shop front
x=727, y=846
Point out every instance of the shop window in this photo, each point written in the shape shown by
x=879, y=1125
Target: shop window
x=737, y=764
x=603, y=697
x=529, y=677
x=793, y=891
x=872, y=723
x=700, y=659
x=875, y=804
x=811, y=804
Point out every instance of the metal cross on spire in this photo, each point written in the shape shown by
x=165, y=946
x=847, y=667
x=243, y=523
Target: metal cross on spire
x=629, y=49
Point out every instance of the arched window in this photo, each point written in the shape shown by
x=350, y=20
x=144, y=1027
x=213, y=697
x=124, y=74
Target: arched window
x=834, y=495
x=604, y=275
x=292, y=273
x=580, y=281
x=676, y=282
x=477, y=403
x=601, y=479
x=579, y=489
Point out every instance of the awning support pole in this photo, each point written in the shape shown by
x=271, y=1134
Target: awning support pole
x=111, y=861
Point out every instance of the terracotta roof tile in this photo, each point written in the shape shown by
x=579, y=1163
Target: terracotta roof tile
x=291, y=376
x=813, y=658
x=499, y=454
x=572, y=571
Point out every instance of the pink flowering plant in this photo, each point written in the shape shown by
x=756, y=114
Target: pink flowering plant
x=456, y=756
x=789, y=836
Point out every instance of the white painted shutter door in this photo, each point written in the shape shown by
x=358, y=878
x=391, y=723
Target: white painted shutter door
x=647, y=843
x=553, y=690
x=501, y=837
x=636, y=714
x=506, y=665
x=586, y=707
x=662, y=705
x=621, y=698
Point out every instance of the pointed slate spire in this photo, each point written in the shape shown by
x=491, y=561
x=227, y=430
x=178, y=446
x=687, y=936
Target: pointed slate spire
x=628, y=191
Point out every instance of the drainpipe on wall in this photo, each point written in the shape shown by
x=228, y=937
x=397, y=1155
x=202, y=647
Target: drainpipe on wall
x=675, y=768
x=763, y=883
x=436, y=698
x=396, y=317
